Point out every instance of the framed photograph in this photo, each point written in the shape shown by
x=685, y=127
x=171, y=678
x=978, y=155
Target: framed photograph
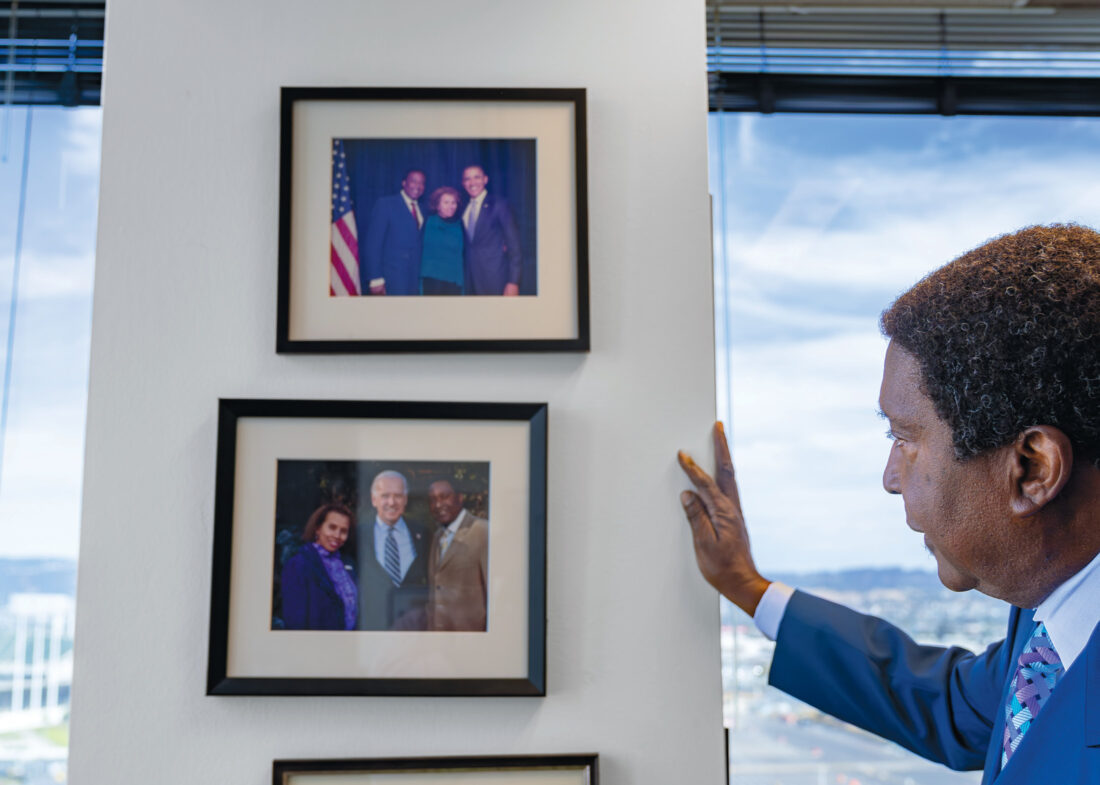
x=379, y=548
x=512, y=770
x=432, y=220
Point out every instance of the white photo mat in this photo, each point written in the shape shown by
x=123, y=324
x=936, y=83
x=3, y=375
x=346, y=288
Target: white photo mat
x=254, y=650
x=314, y=315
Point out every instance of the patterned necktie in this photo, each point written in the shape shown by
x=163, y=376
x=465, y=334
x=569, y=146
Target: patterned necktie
x=1037, y=672
x=471, y=221
x=393, y=558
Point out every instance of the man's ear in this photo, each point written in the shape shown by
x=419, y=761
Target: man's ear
x=1042, y=461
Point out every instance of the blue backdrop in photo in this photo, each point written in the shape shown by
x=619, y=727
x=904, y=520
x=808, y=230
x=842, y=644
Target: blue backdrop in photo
x=376, y=168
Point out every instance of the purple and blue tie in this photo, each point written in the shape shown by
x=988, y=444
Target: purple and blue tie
x=1037, y=672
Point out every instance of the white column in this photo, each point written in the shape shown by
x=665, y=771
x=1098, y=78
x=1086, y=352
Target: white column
x=19, y=665
x=37, y=657
x=53, y=667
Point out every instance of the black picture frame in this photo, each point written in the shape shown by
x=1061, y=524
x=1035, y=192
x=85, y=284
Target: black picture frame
x=229, y=627
x=585, y=764
x=484, y=324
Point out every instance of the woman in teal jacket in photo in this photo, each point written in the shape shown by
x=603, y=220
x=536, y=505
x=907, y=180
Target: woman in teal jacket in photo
x=442, y=267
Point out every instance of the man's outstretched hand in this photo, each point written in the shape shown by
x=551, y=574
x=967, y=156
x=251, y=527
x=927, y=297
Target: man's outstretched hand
x=718, y=529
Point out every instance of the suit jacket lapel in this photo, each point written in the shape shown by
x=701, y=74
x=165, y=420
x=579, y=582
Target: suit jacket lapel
x=318, y=568
x=1092, y=689
x=460, y=534
x=482, y=215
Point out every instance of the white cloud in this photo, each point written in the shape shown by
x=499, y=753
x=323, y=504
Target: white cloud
x=45, y=276
x=82, y=141
x=746, y=137
x=873, y=216
x=41, y=483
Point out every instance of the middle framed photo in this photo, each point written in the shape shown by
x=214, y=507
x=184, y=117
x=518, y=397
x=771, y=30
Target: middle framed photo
x=379, y=548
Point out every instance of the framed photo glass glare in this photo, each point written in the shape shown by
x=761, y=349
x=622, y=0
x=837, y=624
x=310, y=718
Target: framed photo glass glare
x=379, y=548
x=510, y=770
x=433, y=220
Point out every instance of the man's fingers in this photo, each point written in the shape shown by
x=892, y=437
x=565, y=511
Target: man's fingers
x=701, y=526
x=707, y=488
x=724, y=465
x=699, y=478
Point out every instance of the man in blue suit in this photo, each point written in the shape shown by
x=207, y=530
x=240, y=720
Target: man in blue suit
x=393, y=245
x=493, y=258
x=393, y=560
x=991, y=386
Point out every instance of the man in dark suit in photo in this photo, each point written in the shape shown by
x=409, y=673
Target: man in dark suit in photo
x=393, y=560
x=392, y=251
x=493, y=257
x=991, y=386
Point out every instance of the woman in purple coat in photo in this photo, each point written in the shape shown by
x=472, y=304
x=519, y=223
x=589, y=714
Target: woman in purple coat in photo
x=319, y=590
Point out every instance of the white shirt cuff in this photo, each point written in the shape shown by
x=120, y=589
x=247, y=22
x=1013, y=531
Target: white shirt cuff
x=769, y=613
x=376, y=282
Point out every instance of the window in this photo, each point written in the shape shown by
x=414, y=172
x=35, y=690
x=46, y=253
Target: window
x=820, y=221
x=49, y=177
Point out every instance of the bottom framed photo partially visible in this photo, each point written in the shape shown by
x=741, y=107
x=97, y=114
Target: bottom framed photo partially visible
x=512, y=770
x=379, y=548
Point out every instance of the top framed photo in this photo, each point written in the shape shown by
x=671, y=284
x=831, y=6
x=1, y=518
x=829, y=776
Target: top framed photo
x=432, y=220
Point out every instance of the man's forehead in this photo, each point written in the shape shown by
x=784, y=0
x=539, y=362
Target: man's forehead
x=900, y=395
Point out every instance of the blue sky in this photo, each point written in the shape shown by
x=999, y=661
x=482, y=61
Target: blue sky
x=821, y=222
x=43, y=449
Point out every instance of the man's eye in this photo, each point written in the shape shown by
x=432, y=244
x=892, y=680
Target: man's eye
x=892, y=436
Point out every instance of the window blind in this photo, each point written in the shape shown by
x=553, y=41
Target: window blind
x=52, y=52
x=904, y=60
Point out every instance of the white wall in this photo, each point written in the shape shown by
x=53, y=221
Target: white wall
x=185, y=313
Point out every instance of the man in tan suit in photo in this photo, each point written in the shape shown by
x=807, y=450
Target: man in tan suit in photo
x=458, y=564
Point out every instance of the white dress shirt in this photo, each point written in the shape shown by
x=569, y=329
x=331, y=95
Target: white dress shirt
x=448, y=533
x=1072, y=611
x=474, y=207
x=410, y=205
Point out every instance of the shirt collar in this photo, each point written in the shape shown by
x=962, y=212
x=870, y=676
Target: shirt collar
x=1072, y=611
x=382, y=528
x=408, y=199
x=452, y=527
x=479, y=198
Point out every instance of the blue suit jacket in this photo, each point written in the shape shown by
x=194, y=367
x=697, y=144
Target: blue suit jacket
x=310, y=601
x=945, y=704
x=392, y=247
x=493, y=256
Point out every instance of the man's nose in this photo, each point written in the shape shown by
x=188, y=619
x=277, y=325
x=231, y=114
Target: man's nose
x=891, y=479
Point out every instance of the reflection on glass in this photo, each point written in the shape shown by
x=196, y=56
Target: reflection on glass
x=820, y=221
x=47, y=222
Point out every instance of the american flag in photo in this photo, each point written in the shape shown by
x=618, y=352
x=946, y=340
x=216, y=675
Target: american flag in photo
x=344, y=275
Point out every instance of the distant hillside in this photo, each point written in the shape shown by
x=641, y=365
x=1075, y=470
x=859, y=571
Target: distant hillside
x=864, y=579
x=36, y=576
